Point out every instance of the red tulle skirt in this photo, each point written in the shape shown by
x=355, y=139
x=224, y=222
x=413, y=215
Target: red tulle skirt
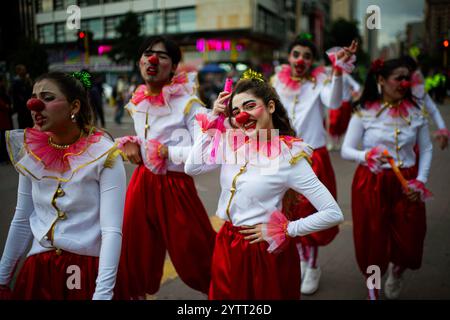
x=49, y=276
x=163, y=212
x=244, y=271
x=338, y=119
x=387, y=227
x=321, y=164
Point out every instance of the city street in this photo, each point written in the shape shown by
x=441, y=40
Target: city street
x=341, y=278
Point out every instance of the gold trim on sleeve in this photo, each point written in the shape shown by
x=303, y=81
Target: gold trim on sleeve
x=188, y=107
x=111, y=158
x=299, y=156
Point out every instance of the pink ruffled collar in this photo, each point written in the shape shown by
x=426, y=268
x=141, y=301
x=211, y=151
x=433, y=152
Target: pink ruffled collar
x=270, y=148
x=175, y=87
x=400, y=110
x=285, y=77
x=55, y=159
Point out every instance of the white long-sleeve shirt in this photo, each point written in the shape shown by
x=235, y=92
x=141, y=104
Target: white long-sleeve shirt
x=305, y=106
x=418, y=91
x=89, y=207
x=172, y=124
x=260, y=183
x=350, y=85
x=370, y=128
x=432, y=109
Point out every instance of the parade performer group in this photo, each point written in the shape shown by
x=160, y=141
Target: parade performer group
x=277, y=185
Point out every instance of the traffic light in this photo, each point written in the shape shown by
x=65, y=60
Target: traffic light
x=445, y=43
x=84, y=40
x=81, y=35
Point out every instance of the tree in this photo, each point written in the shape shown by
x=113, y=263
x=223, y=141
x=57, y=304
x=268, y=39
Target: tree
x=126, y=45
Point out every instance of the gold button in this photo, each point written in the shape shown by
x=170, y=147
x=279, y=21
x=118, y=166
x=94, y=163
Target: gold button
x=58, y=251
x=233, y=190
x=398, y=148
x=60, y=192
x=400, y=164
x=147, y=126
x=62, y=215
x=397, y=131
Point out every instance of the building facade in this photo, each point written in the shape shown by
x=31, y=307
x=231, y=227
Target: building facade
x=248, y=32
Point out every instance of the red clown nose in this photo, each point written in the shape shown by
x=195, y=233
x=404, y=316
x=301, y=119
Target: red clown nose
x=153, y=59
x=242, y=117
x=35, y=104
x=405, y=84
x=300, y=63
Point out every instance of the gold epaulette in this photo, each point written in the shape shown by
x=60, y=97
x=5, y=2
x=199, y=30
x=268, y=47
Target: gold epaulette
x=112, y=156
x=189, y=104
x=296, y=158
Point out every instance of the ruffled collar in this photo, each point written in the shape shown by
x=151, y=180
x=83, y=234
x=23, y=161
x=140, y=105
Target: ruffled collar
x=399, y=110
x=285, y=77
x=56, y=159
x=270, y=148
x=175, y=88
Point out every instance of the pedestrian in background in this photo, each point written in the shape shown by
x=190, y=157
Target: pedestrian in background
x=21, y=89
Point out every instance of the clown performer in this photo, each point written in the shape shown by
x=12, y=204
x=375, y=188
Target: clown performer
x=429, y=106
x=305, y=92
x=388, y=188
x=70, y=198
x=162, y=208
x=260, y=161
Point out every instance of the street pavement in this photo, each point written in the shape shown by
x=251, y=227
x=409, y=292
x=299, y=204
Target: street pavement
x=341, y=278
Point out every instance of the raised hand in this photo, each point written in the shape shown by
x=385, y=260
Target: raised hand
x=219, y=105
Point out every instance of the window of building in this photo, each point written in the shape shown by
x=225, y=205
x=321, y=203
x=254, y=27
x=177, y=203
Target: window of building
x=45, y=5
x=187, y=19
x=58, y=5
x=60, y=32
x=153, y=24
x=87, y=3
x=69, y=3
x=180, y=20
x=47, y=34
x=172, y=24
x=111, y=24
x=95, y=26
x=269, y=23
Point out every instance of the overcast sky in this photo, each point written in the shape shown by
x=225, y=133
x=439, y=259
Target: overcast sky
x=394, y=16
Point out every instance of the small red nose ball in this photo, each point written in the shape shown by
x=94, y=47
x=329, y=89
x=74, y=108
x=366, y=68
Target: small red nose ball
x=405, y=84
x=242, y=117
x=153, y=59
x=35, y=104
x=300, y=63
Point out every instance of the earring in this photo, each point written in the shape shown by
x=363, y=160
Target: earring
x=73, y=118
x=379, y=88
